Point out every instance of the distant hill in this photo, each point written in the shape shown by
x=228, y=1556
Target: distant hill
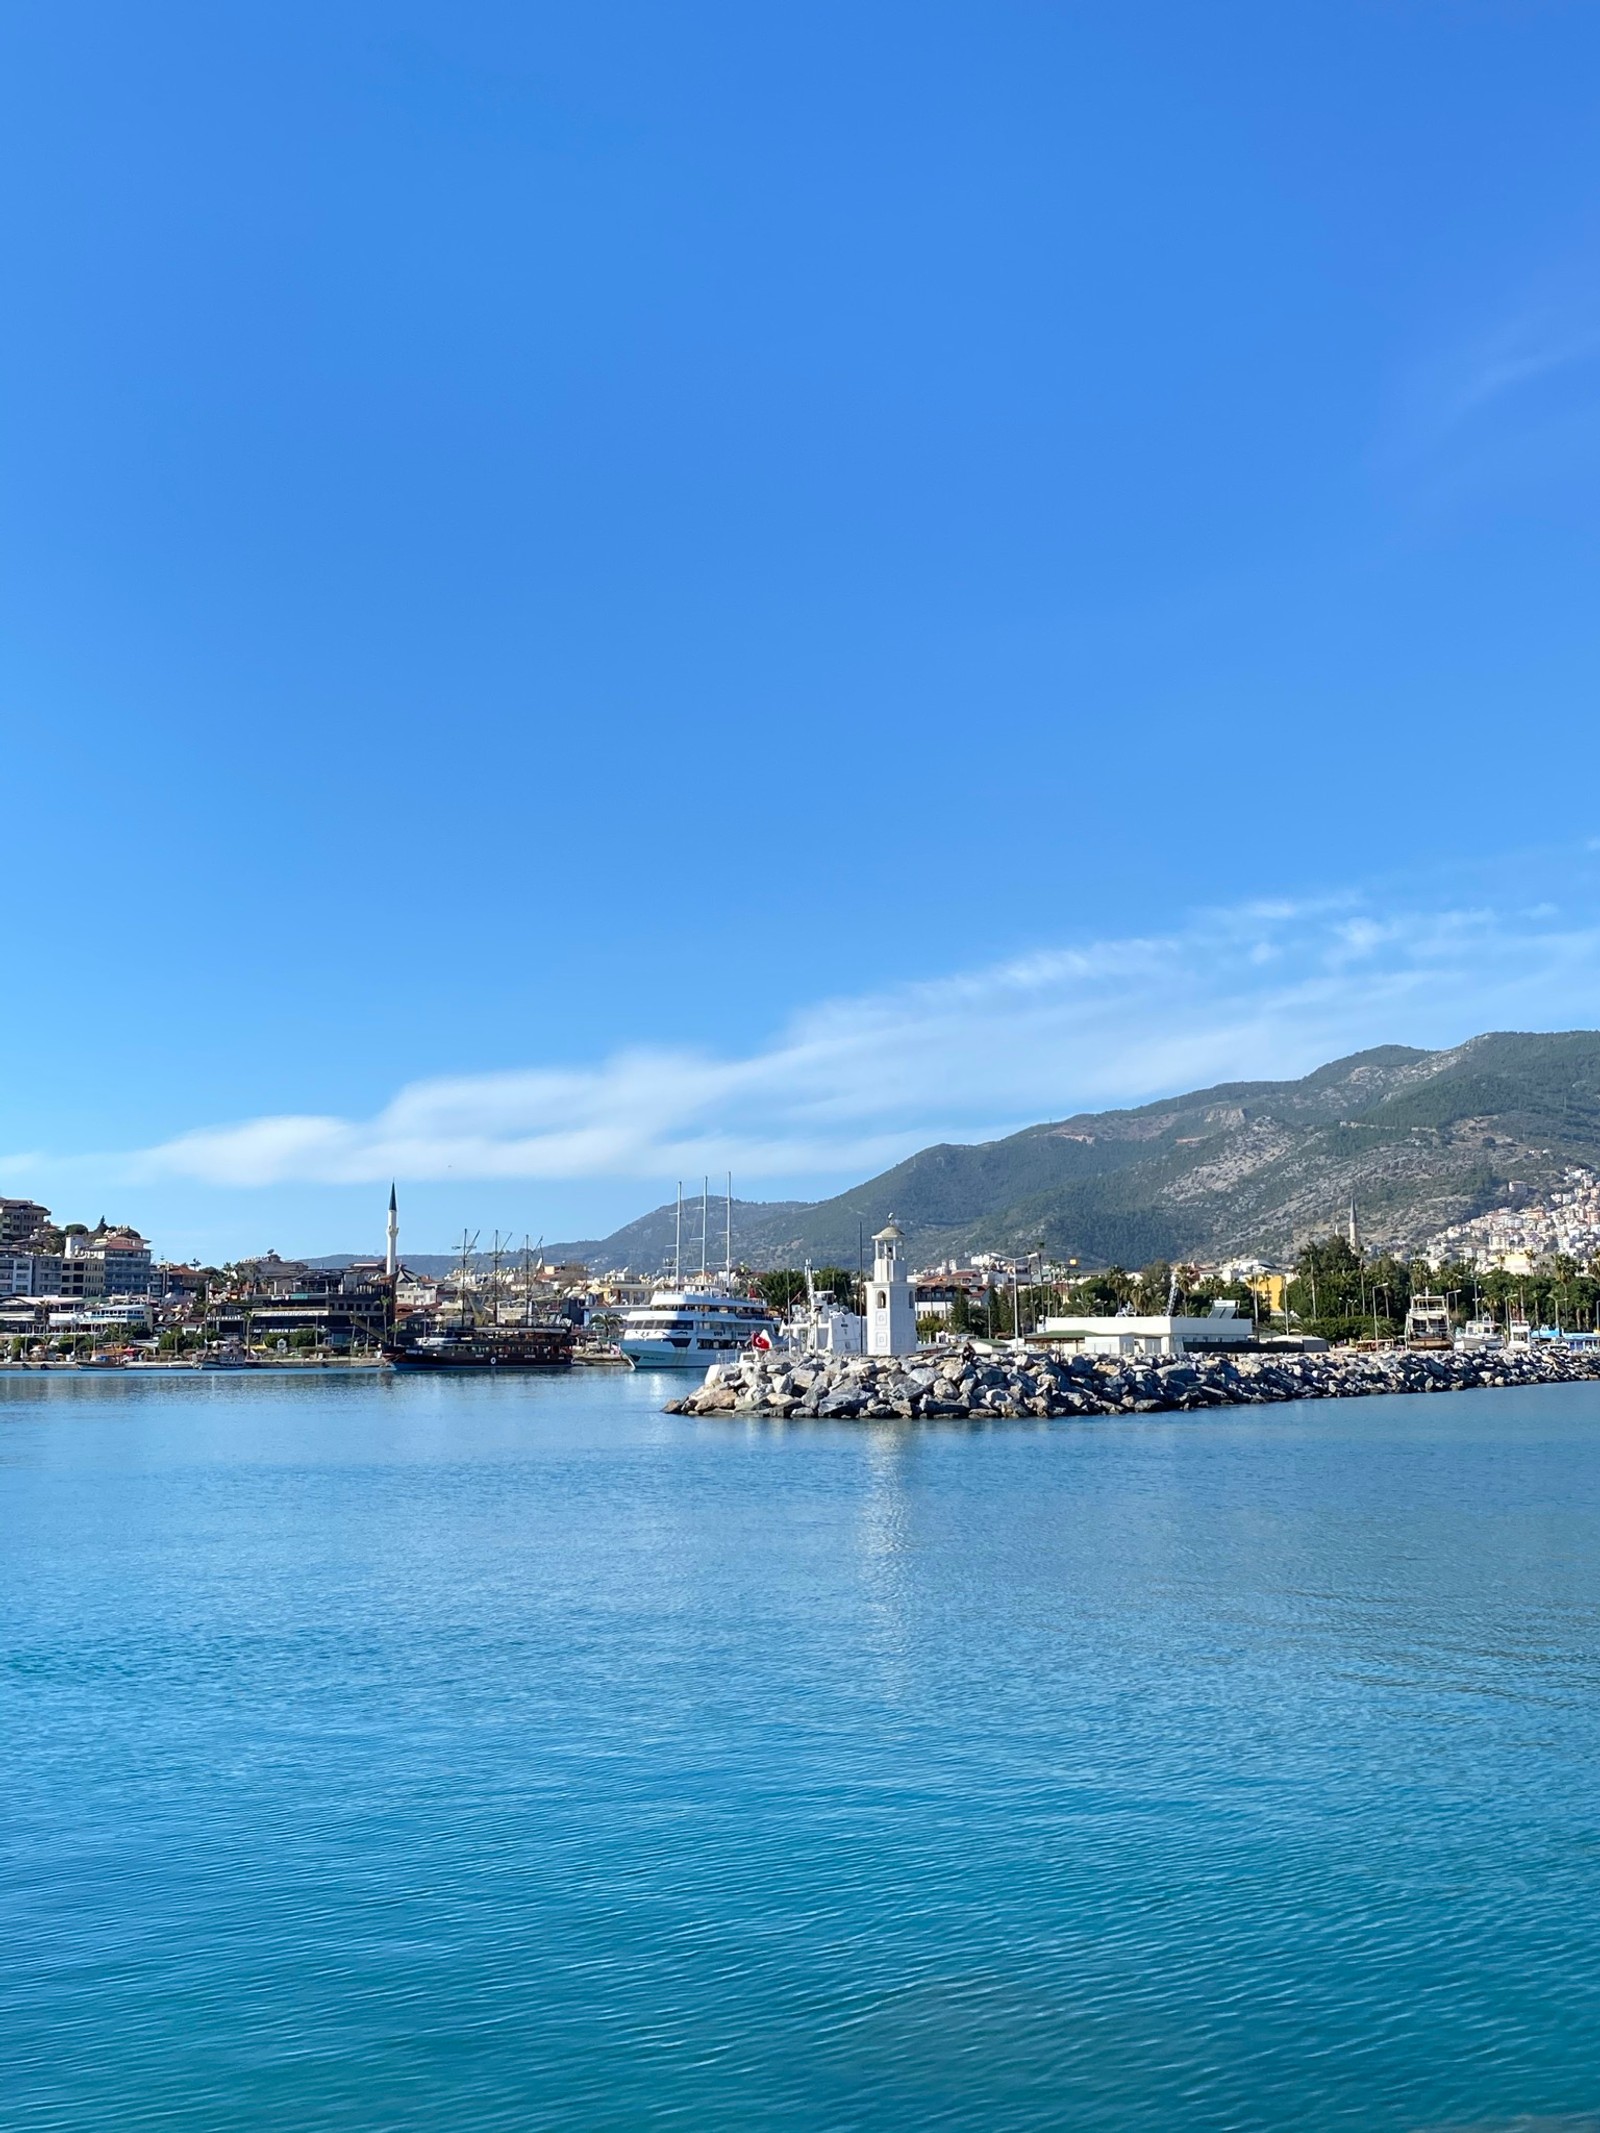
x=1418, y=1138
x=647, y=1244
x=432, y=1266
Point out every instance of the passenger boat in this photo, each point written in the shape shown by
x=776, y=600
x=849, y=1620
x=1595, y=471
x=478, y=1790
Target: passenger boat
x=1428, y=1322
x=691, y=1328
x=464, y=1344
x=470, y=1347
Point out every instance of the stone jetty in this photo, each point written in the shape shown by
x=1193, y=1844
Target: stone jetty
x=977, y=1383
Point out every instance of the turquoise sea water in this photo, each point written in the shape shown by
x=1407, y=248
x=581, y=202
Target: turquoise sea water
x=387, y=1754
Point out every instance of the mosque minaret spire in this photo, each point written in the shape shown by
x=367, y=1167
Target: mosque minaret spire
x=391, y=1258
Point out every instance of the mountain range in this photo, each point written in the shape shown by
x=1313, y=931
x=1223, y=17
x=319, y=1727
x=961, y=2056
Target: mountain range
x=1416, y=1138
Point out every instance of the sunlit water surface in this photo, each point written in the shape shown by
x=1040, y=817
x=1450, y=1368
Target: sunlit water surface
x=411, y=1755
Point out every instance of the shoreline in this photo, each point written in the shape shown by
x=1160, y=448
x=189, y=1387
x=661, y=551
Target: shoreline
x=966, y=1384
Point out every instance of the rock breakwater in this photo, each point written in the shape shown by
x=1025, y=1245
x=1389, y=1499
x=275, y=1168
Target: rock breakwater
x=974, y=1383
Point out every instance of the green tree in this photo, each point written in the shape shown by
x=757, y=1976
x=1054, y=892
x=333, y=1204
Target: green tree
x=843, y=1284
x=1099, y=1295
x=1153, y=1287
x=781, y=1289
x=1328, y=1293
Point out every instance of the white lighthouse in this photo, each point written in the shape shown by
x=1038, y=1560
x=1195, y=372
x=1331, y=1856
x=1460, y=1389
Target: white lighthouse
x=891, y=1309
x=391, y=1257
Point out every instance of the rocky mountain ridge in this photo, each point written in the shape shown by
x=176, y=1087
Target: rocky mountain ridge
x=1417, y=1138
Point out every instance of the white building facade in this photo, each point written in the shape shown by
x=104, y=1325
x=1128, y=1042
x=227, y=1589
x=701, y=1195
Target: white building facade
x=891, y=1308
x=1155, y=1334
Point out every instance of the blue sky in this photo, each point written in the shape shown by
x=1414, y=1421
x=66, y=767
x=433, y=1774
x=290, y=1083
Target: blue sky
x=592, y=591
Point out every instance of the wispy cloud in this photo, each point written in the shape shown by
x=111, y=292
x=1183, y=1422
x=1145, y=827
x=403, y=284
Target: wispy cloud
x=1515, y=387
x=1518, y=353
x=851, y=1084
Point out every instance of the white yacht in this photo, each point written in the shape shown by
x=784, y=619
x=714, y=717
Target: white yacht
x=1479, y=1336
x=691, y=1328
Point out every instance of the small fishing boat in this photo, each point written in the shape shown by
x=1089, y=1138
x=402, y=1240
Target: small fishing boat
x=1479, y=1336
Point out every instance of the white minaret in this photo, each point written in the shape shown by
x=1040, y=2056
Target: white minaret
x=391, y=1258
x=891, y=1310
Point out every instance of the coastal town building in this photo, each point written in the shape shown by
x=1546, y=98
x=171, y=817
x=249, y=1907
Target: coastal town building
x=271, y=1276
x=16, y=1273
x=53, y=1318
x=318, y=1307
x=1156, y=1333
x=121, y=1315
x=91, y=1263
x=20, y=1222
x=1515, y=1238
x=937, y=1290
x=619, y=1287
x=106, y=1262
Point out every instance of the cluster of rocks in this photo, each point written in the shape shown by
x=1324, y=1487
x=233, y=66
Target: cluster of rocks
x=978, y=1381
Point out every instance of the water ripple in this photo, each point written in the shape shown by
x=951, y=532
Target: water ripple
x=476, y=1757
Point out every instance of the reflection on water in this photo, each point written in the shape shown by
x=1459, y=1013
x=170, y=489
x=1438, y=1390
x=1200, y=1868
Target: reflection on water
x=384, y=1754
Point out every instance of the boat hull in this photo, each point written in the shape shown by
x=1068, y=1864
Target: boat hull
x=690, y=1329
x=661, y=1355
x=553, y=1352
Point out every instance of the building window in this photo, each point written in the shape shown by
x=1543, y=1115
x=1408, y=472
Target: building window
x=883, y=1301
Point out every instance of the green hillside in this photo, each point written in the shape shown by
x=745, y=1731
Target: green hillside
x=1417, y=1138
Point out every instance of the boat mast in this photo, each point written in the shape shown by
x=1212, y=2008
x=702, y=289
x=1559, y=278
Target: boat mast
x=467, y=1245
x=677, y=1243
x=705, y=1202
x=727, y=1248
